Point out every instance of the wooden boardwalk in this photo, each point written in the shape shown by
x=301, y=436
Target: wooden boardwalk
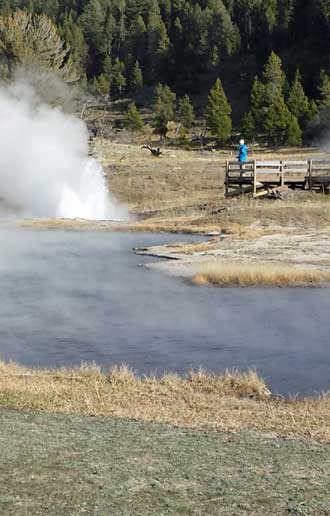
x=264, y=177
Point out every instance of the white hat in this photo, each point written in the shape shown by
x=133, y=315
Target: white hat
x=241, y=142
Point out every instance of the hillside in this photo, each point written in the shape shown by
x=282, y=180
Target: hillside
x=123, y=49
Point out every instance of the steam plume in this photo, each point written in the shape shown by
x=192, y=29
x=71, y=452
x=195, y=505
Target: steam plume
x=45, y=170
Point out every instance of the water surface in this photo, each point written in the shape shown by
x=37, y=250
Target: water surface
x=68, y=297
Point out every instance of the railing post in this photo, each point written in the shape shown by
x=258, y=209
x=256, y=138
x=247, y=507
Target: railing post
x=282, y=172
x=227, y=179
x=310, y=181
x=254, y=178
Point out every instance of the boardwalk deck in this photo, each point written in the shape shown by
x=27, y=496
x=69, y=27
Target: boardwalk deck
x=262, y=177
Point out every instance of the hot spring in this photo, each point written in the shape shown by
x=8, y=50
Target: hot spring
x=68, y=297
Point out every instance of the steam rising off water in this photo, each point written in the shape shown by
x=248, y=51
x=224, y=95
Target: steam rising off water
x=45, y=170
x=88, y=200
x=72, y=297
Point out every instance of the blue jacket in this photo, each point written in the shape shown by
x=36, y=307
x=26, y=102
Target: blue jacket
x=242, y=153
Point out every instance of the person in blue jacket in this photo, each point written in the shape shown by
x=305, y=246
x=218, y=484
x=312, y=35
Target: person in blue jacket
x=242, y=152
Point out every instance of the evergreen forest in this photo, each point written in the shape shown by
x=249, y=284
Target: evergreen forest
x=259, y=67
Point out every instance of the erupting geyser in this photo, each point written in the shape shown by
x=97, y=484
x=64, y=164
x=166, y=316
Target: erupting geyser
x=45, y=170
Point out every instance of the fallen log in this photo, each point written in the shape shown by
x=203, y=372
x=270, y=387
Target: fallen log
x=155, y=152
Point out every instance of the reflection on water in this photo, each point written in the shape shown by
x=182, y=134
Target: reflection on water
x=70, y=297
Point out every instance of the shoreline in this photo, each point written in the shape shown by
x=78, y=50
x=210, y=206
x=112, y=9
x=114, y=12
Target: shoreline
x=261, y=250
x=301, y=249
x=227, y=402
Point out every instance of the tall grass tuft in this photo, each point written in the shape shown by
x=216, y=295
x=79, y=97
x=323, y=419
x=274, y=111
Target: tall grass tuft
x=243, y=384
x=244, y=275
x=121, y=375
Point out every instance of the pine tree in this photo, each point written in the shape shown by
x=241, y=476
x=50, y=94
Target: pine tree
x=74, y=38
x=158, y=44
x=281, y=126
x=92, y=22
x=137, y=41
x=293, y=134
x=221, y=31
x=324, y=90
x=273, y=78
x=108, y=34
x=107, y=68
x=118, y=79
x=313, y=108
x=120, y=27
x=163, y=108
x=178, y=32
x=101, y=86
x=257, y=102
x=269, y=111
x=284, y=14
x=298, y=102
x=248, y=126
x=218, y=113
x=185, y=112
x=134, y=121
x=137, y=78
x=275, y=121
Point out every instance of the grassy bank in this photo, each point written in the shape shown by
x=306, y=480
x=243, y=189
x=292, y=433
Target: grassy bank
x=265, y=275
x=59, y=465
x=200, y=400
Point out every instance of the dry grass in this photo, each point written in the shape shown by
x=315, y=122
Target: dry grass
x=178, y=182
x=305, y=210
x=158, y=225
x=230, y=402
x=241, y=275
x=72, y=225
x=184, y=191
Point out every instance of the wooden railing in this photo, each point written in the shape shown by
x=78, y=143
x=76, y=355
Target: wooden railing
x=259, y=176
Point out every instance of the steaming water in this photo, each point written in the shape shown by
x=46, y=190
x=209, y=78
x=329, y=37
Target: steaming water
x=45, y=170
x=71, y=297
x=88, y=199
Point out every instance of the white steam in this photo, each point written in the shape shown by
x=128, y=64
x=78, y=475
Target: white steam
x=45, y=170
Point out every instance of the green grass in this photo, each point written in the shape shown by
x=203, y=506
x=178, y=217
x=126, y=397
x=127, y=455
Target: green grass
x=60, y=465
